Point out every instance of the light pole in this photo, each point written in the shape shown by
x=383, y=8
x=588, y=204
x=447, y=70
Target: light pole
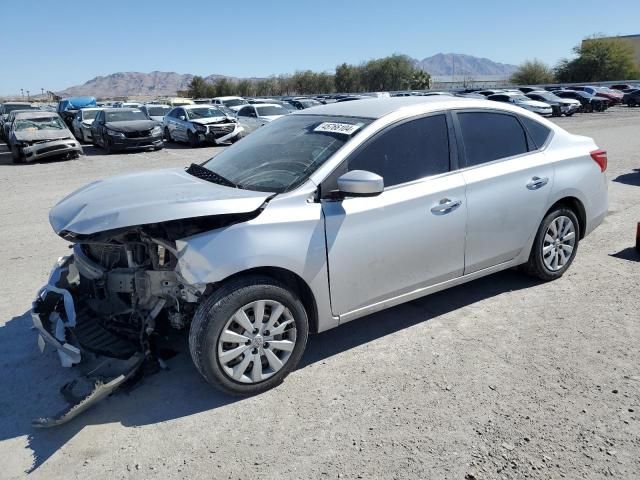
x=22, y=93
x=42, y=89
x=28, y=99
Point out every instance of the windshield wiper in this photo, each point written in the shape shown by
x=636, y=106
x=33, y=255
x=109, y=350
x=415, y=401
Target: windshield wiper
x=210, y=176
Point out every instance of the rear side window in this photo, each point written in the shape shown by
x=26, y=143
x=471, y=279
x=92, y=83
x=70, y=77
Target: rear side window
x=488, y=136
x=538, y=132
x=412, y=150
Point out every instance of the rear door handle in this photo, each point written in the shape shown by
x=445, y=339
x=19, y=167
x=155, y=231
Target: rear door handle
x=445, y=206
x=537, y=182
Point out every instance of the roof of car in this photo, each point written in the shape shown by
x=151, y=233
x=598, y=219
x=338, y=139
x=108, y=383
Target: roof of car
x=16, y=103
x=379, y=107
x=35, y=114
x=121, y=109
x=231, y=97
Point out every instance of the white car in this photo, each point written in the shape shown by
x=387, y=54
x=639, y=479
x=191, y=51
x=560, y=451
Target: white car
x=252, y=117
x=82, y=121
x=200, y=124
x=523, y=101
x=155, y=111
x=234, y=103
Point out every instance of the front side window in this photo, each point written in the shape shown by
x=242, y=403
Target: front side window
x=489, y=136
x=409, y=151
x=269, y=110
x=281, y=155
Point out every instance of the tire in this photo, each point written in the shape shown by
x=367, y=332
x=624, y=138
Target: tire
x=193, y=140
x=632, y=102
x=167, y=135
x=108, y=145
x=16, y=157
x=158, y=148
x=537, y=264
x=216, y=315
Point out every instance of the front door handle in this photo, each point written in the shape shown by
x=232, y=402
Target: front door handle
x=537, y=182
x=445, y=206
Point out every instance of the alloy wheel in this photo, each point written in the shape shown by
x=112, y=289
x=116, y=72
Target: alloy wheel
x=559, y=242
x=257, y=341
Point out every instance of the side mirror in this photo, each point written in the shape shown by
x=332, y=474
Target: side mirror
x=182, y=117
x=360, y=183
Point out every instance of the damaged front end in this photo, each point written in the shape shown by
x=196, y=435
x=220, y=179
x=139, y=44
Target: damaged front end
x=111, y=300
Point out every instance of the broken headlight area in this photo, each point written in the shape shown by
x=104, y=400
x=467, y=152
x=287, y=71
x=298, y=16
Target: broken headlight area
x=114, y=299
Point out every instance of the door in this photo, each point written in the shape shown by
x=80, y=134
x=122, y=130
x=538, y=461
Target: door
x=508, y=184
x=412, y=234
x=247, y=117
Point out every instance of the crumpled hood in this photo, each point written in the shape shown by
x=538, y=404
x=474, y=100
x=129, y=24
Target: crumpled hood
x=148, y=197
x=39, y=135
x=131, y=125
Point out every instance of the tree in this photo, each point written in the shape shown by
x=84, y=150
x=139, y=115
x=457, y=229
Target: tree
x=599, y=59
x=533, y=72
x=199, y=88
x=420, y=80
x=347, y=78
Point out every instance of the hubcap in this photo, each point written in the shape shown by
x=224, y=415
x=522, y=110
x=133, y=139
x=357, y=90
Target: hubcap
x=257, y=341
x=559, y=242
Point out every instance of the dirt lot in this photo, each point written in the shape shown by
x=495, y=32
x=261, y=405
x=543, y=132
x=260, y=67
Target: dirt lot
x=504, y=377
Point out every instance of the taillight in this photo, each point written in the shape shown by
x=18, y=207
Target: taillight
x=600, y=157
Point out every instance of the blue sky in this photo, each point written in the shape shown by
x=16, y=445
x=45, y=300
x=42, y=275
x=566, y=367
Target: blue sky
x=56, y=44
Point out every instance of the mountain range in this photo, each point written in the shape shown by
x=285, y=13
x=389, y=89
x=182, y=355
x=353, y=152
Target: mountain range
x=124, y=84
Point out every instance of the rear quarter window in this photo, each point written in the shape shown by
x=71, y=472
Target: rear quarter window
x=539, y=133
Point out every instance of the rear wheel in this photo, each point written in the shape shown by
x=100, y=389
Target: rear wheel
x=632, y=102
x=16, y=156
x=555, y=245
x=249, y=335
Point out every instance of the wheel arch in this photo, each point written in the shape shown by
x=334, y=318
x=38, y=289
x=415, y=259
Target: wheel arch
x=288, y=278
x=575, y=205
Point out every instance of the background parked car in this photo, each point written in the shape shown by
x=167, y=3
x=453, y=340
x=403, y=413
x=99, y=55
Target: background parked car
x=197, y=124
x=155, y=111
x=234, y=103
x=590, y=103
x=6, y=124
x=36, y=135
x=522, y=101
x=632, y=98
x=8, y=107
x=252, y=117
x=125, y=129
x=81, y=125
x=560, y=106
x=68, y=107
x=303, y=103
x=613, y=96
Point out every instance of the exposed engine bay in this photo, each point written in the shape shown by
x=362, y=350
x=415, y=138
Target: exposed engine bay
x=113, y=298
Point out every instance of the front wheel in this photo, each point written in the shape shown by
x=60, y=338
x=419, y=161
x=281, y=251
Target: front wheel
x=16, y=156
x=248, y=335
x=194, y=142
x=555, y=245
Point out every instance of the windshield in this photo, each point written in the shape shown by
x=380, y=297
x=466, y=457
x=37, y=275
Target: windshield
x=204, y=112
x=520, y=98
x=235, y=102
x=226, y=110
x=267, y=110
x=547, y=96
x=158, y=111
x=281, y=155
x=309, y=103
x=43, y=123
x=89, y=114
x=9, y=108
x=125, y=116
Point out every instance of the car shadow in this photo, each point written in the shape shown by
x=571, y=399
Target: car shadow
x=629, y=253
x=30, y=381
x=632, y=178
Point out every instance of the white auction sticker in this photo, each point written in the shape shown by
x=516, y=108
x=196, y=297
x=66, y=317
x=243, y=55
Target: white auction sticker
x=331, y=127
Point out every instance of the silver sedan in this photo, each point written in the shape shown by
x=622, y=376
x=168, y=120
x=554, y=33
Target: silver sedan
x=316, y=219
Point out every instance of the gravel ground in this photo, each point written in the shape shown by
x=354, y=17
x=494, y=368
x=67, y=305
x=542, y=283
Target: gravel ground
x=503, y=377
